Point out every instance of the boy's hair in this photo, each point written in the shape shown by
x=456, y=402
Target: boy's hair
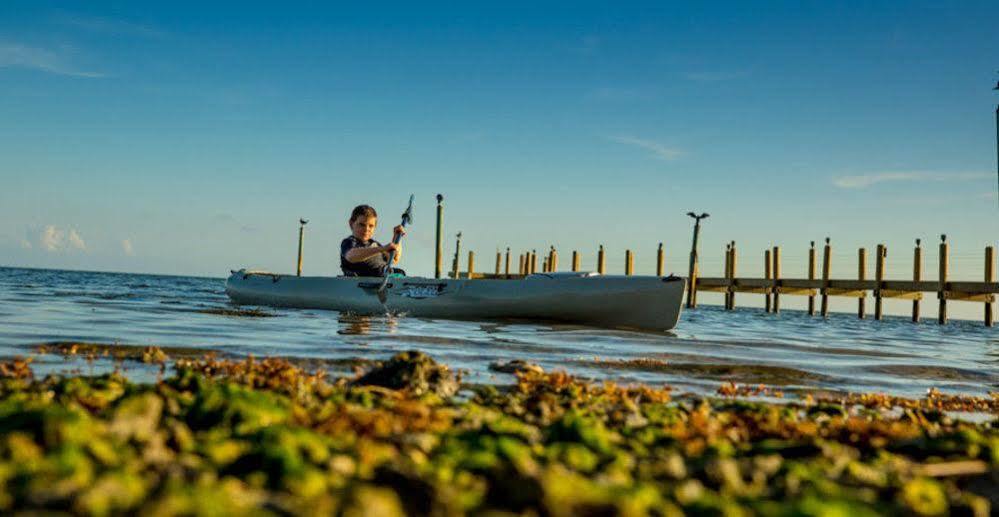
x=362, y=211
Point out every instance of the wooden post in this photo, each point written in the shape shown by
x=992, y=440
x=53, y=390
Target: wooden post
x=575, y=260
x=457, y=255
x=301, y=236
x=732, y=270
x=629, y=262
x=499, y=262
x=506, y=269
x=659, y=260
x=534, y=261
x=942, y=289
x=439, y=250
x=471, y=263
x=879, y=277
x=862, y=275
x=917, y=275
x=728, y=273
x=776, y=257
x=553, y=260
x=544, y=264
x=811, y=276
x=520, y=268
x=601, y=263
x=767, y=264
x=826, y=265
x=990, y=277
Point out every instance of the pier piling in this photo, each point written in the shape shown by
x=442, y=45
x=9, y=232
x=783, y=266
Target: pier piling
x=629, y=263
x=439, y=249
x=826, y=258
x=731, y=274
x=861, y=276
x=301, y=237
x=659, y=260
x=727, y=274
x=601, y=263
x=917, y=276
x=879, y=278
x=990, y=277
x=768, y=275
x=777, y=286
x=942, y=289
x=575, y=260
x=811, y=277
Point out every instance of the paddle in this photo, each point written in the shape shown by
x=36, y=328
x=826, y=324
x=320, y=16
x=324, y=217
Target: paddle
x=407, y=217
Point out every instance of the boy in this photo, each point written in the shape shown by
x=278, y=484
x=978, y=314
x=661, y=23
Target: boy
x=360, y=255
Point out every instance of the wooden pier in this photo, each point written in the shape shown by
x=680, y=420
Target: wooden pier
x=773, y=285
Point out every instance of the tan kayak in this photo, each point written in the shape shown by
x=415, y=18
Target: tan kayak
x=638, y=302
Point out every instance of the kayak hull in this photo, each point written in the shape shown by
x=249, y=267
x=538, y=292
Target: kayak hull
x=639, y=302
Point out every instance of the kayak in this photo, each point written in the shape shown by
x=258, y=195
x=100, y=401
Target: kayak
x=614, y=301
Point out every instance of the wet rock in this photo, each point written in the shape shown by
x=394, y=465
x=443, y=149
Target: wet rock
x=412, y=371
x=515, y=366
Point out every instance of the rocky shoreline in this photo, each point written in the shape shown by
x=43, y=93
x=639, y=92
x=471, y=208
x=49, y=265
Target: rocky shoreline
x=248, y=436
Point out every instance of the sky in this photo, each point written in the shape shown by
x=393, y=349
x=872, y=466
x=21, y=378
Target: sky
x=188, y=138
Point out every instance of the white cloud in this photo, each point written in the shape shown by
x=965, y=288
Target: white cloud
x=55, y=239
x=658, y=150
x=76, y=242
x=867, y=180
x=51, y=238
x=126, y=247
x=46, y=60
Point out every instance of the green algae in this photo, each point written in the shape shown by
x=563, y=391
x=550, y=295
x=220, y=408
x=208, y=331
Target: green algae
x=266, y=437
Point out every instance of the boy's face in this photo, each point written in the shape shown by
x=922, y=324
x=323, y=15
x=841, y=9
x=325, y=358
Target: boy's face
x=364, y=227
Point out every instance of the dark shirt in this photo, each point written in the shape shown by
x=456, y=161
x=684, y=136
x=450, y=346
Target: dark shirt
x=371, y=266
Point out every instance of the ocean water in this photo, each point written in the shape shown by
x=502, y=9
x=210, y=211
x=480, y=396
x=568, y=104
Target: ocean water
x=709, y=346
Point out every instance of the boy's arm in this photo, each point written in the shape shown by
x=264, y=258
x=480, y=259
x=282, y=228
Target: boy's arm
x=361, y=254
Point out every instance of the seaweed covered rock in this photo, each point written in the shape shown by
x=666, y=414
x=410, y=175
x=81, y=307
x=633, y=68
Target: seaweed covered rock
x=264, y=437
x=515, y=366
x=414, y=372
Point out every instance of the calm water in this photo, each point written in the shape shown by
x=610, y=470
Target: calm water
x=708, y=347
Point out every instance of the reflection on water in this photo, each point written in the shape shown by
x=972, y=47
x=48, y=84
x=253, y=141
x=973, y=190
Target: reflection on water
x=708, y=347
x=354, y=324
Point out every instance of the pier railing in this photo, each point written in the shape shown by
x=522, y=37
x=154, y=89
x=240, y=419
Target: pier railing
x=817, y=286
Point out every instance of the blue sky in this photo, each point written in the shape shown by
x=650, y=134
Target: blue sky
x=189, y=139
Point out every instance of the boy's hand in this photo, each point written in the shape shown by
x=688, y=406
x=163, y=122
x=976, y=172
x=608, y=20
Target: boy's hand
x=390, y=247
x=398, y=230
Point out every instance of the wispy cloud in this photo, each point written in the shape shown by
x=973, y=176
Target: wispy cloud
x=866, y=180
x=658, y=150
x=102, y=25
x=54, y=239
x=47, y=60
x=126, y=247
